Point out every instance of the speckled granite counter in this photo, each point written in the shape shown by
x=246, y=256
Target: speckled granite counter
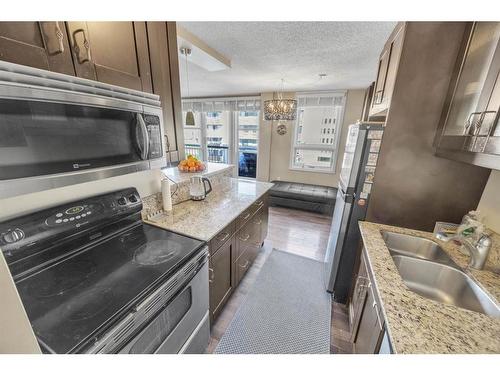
x=419, y=325
x=211, y=169
x=204, y=219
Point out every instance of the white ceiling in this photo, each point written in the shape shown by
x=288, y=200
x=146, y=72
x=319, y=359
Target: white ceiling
x=262, y=53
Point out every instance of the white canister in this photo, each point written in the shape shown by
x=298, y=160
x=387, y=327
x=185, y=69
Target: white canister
x=166, y=196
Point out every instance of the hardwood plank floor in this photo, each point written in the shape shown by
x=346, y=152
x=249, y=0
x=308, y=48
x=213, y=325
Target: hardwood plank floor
x=298, y=232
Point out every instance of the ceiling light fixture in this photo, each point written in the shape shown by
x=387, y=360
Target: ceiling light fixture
x=189, y=114
x=280, y=109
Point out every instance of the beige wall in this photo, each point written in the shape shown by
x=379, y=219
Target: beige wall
x=274, y=150
x=146, y=183
x=489, y=205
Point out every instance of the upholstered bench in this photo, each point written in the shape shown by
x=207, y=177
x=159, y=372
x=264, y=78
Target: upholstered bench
x=303, y=196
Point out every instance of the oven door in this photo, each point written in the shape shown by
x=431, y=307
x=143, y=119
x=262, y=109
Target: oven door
x=183, y=317
x=43, y=138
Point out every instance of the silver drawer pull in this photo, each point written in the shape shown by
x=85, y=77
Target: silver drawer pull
x=258, y=222
x=245, y=239
x=245, y=265
x=210, y=275
x=246, y=216
x=224, y=237
x=374, y=306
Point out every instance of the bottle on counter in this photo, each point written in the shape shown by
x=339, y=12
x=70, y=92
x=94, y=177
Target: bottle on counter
x=166, y=195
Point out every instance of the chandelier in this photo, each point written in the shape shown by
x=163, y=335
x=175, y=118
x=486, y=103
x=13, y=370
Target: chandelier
x=280, y=109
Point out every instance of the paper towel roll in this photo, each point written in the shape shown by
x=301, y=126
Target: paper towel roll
x=166, y=195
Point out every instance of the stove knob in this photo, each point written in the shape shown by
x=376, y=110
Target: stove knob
x=13, y=236
x=122, y=201
x=132, y=198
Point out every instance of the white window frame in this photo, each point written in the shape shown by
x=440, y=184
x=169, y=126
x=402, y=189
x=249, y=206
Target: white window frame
x=234, y=126
x=334, y=148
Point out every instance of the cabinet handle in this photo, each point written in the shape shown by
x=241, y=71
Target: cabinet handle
x=258, y=222
x=210, y=275
x=246, y=216
x=374, y=306
x=378, y=96
x=245, y=265
x=226, y=235
x=82, y=54
x=52, y=37
x=469, y=124
x=245, y=239
x=482, y=119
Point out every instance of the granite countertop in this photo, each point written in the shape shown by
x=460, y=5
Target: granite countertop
x=204, y=219
x=211, y=168
x=419, y=325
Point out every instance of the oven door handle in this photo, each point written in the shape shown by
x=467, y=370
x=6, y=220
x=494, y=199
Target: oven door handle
x=144, y=148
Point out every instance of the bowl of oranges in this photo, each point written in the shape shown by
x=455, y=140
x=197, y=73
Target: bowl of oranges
x=191, y=164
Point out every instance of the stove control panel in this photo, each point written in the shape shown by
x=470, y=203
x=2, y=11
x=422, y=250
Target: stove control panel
x=26, y=235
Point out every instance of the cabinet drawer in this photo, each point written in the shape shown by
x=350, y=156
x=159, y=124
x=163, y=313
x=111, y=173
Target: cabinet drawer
x=221, y=237
x=248, y=235
x=245, y=261
x=244, y=217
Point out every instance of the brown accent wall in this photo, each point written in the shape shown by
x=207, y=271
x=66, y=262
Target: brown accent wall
x=413, y=188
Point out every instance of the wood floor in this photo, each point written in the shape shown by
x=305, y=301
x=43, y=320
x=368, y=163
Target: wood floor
x=297, y=232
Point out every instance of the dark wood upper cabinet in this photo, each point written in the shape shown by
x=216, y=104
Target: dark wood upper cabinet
x=42, y=45
x=386, y=74
x=469, y=125
x=112, y=52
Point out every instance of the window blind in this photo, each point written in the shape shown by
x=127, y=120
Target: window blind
x=222, y=104
x=321, y=100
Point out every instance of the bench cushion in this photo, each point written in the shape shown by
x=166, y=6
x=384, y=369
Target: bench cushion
x=304, y=192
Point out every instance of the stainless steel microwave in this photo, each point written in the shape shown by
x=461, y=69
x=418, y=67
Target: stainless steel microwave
x=57, y=130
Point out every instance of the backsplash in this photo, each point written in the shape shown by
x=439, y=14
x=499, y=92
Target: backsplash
x=153, y=203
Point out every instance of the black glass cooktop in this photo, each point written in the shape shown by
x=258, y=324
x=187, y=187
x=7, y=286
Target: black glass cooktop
x=73, y=300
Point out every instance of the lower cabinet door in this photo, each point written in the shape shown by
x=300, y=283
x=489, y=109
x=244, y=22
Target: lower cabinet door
x=221, y=277
x=370, y=330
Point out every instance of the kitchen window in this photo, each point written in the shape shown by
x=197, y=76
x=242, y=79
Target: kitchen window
x=317, y=131
x=225, y=131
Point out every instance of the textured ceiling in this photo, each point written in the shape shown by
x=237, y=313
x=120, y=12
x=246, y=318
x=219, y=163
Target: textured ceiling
x=262, y=53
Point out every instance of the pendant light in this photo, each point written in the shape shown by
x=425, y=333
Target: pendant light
x=189, y=114
x=280, y=109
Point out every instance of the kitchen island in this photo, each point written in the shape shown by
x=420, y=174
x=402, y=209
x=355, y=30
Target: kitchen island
x=232, y=219
x=415, y=324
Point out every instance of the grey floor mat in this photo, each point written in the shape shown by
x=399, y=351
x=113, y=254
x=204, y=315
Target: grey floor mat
x=286, y=311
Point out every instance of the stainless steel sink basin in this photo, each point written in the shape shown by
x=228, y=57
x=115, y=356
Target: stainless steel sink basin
x=417, y=247
x=446, y=284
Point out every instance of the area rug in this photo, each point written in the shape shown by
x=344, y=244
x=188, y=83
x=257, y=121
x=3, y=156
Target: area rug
x=286, y=311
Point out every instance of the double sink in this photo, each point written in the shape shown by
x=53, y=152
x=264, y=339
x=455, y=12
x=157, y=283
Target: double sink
x=427, y=270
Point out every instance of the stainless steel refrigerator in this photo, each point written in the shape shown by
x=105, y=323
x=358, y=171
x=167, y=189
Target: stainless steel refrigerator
x=354, y=187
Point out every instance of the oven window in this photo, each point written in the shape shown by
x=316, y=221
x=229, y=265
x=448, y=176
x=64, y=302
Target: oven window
x=164, y=323
x=38, y=138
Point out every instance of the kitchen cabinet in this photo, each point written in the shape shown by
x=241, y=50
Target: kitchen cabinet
x=233, y=251
x=42, y=45
x=365, y=315
x=370, y=328
x=166, y=82
x=112, y=52
x=386, y=74
x=221, y=278
x=358, y=297
x=468, y=130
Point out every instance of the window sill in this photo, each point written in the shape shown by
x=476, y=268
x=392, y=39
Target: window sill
x=313, y=170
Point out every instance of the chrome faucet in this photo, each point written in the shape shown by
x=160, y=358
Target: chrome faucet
x=478, y=251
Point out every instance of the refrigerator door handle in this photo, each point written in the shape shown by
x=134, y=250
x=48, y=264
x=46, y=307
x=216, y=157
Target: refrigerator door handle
x=348, y=198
